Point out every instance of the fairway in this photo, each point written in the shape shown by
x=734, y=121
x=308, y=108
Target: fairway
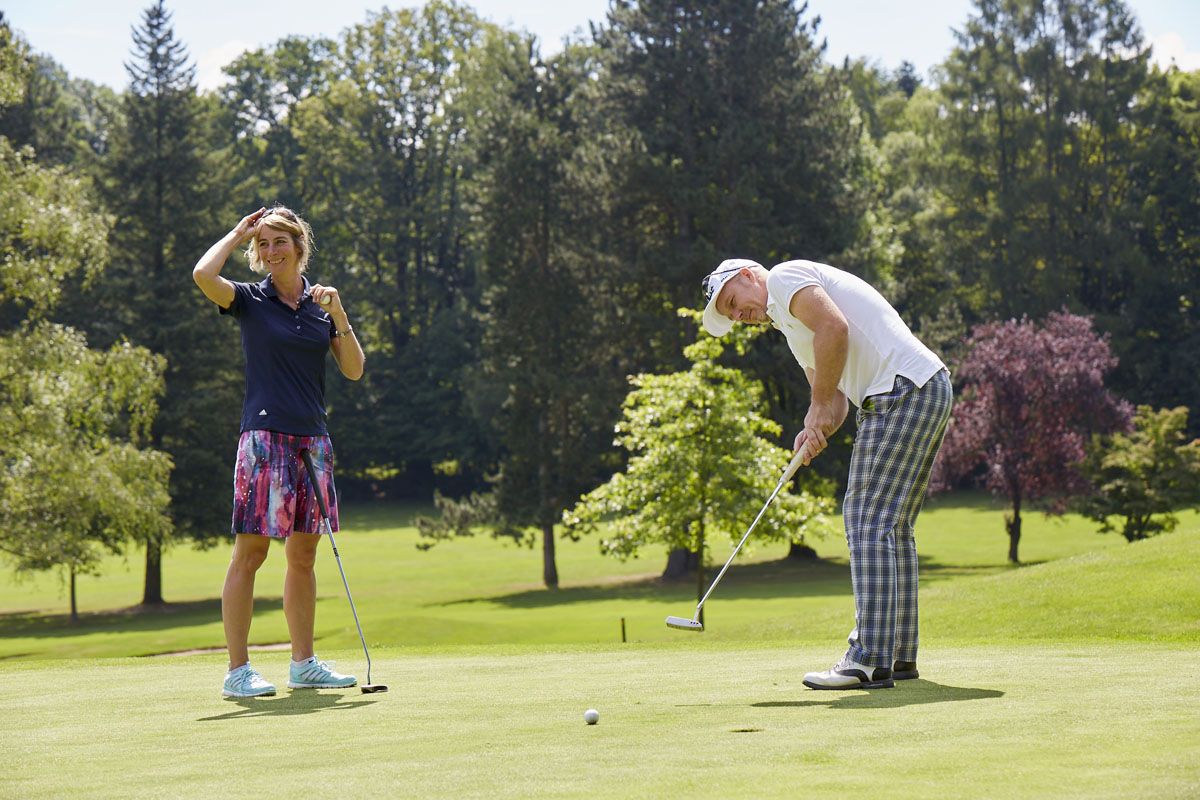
x=693, y=719
x=482, y=591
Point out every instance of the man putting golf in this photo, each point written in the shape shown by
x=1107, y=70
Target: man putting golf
x=853, y=347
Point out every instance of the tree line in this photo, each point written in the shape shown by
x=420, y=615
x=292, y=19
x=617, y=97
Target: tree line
x=513, y=229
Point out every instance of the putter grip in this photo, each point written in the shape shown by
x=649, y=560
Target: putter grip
x=794, y=464
x=315, y=484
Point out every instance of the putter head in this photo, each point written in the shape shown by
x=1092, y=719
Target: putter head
x=372, y=688
x=684, y=624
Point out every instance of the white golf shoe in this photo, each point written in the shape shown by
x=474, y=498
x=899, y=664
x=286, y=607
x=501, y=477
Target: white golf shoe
x=849, y=674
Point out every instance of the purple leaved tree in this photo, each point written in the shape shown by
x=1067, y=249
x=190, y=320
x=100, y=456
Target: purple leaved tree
x=1031, y=397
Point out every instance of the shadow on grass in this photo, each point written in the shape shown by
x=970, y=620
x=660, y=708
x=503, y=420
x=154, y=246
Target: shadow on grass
x=762, y=580
x=305, y=701
x=765, y=579
x=909, y=693
x=135, y=618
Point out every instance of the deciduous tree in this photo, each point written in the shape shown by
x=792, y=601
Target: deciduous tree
x=384, y=164
x=702, y=461
x=1140, y=478
x=1031, y=396
x=76, y=479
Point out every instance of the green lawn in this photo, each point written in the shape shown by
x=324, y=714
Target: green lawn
x=697, y=719
x=1066, y=677
x=481, y=591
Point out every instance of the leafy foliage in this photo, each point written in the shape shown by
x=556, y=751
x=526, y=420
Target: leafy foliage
x=1140, y=477
x=13, y=68
x=375, y=148
x=50, y=231
x=512, y=232
x=700, y=458
x=1031, y=396
x=76, y=479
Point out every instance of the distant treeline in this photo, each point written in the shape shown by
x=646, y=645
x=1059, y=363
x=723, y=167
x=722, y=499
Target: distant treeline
x=512, y=230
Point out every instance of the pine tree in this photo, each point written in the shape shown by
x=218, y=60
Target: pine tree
x=742, y=142
x=160, y=184
x=730, y=137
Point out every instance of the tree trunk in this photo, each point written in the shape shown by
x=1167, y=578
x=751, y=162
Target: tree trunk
x=1012, y=523
x=152, y=591
x=74, y=605
x=801, y=552
x=549, y=567
x=680, y=562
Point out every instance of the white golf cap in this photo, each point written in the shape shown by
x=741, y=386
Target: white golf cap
x=715, y=323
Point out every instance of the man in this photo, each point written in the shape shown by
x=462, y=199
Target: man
x=854, y=347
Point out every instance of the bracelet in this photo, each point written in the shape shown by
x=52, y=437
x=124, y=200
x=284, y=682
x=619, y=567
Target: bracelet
x=349, y=329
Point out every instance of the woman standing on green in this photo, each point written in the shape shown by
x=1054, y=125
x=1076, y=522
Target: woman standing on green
x=288, y=326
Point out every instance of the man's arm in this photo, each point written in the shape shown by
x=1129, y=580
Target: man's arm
x=840, y=404
x=831, y=341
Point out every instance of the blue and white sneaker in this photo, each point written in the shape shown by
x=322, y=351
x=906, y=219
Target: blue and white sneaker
x=245, y=682
x=312, y=673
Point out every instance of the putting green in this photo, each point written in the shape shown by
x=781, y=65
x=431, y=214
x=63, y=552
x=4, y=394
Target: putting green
x=692, y=719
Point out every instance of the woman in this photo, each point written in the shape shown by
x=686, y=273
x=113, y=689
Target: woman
x=287, y=327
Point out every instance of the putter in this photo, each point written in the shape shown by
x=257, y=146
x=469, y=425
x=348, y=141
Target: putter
x=368, y=687
x=694, y=624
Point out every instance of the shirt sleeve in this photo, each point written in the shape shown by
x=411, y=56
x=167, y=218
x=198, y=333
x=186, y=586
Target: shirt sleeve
x=241, y=292
x=788, y=278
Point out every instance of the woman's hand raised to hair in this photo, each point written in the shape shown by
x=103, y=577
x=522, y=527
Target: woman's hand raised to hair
x=246, y=227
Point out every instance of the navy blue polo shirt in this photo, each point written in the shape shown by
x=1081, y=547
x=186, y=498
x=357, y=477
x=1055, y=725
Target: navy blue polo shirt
x=285, y=359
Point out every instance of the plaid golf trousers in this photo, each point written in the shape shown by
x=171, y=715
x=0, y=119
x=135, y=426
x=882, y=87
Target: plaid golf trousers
x=899, y=434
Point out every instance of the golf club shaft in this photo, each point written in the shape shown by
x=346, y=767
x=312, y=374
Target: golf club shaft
x=792, y=466
x=312, y=478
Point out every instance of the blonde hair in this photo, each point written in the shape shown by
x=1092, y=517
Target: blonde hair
x=284, y=219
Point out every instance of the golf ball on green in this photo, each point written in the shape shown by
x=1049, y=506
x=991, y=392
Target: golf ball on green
x=591, y=716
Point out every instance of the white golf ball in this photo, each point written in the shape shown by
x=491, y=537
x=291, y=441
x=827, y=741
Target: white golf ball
x=591, y=716
x=326, y=299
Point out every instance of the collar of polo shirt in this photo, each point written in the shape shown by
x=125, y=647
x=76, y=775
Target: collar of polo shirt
x=268, y=287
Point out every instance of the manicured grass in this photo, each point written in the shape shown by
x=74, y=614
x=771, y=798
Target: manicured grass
x=1063, y=678
x=696, y=719
x=481, y=591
